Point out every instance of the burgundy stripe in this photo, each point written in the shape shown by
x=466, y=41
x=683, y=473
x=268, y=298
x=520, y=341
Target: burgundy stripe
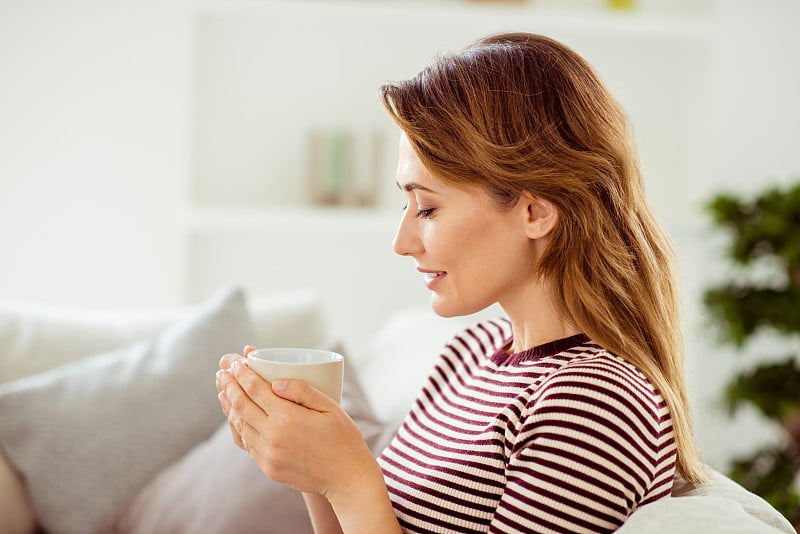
x=435, y=459
x=440, y=445
x=467, y=347
x=582, y=490
x=564, y=526
x=436, y=383
x=593, y=480
x=669, y=467
x=449, y=497
x=509, y=403
x=582, y=370
x=629, y=427
x=666, y=493
x=498, y=338
x=614, y=456
x=614, y=446
x=426, y=517
x=589, y=510
x=627, y=374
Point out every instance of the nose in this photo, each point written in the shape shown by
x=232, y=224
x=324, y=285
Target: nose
x=406, y=240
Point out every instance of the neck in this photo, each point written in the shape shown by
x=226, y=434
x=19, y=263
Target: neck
x=535, y=319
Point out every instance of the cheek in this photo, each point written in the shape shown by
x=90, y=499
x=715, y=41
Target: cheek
x=446, y=244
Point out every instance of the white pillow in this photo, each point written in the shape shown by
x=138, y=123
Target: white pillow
x=398, y=359
x=34, y=338
x=293, y=319
x=87, y=436
x=693, y=514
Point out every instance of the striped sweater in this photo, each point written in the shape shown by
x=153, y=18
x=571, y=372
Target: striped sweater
x=564, y=437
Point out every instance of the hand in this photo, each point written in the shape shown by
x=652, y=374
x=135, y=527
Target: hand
x=223, y=375
x=297, y=435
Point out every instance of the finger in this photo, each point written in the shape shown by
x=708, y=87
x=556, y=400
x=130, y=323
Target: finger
x=224, y=403
x=226, y=407
x=300, y=392
x=254, y=387
x=247, y=350
x=249, y=396
x=226, y=361
x=237, y=438
x=222, y=377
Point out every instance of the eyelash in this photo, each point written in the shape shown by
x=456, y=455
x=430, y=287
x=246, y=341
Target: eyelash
x=422, y=214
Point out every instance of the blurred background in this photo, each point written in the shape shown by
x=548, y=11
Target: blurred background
x=151, y=151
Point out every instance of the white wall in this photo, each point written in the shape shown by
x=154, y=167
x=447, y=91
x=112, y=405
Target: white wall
x=93, y=151
x=97, y=129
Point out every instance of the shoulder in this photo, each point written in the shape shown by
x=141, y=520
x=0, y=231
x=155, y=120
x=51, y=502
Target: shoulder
x=479, y=340
x=601, y=386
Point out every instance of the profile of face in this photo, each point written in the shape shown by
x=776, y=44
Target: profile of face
x=471, y=254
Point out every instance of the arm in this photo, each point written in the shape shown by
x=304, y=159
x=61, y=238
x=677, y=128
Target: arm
x=323, y=518
x=360, y=510
x=365, y=505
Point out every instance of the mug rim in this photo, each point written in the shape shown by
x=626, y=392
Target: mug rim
x=332, y=356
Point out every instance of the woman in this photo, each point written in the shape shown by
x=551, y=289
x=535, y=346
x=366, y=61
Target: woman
x=523, y=188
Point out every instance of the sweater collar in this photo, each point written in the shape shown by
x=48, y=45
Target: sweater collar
x=551, y=348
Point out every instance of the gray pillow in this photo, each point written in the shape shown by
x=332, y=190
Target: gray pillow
x=217, y=488
x=87, y=436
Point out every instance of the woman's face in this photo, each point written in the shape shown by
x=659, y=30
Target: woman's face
x=470, y=254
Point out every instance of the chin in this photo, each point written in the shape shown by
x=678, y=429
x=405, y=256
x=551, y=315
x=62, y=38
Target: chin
x=447, y=309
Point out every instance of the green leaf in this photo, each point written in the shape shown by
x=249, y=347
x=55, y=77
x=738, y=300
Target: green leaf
x=773, y=388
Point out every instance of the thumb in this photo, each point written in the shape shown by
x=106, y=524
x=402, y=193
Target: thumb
x=303, y=393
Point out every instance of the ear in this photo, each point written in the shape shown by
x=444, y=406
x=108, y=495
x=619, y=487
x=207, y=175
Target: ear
x=541, y=216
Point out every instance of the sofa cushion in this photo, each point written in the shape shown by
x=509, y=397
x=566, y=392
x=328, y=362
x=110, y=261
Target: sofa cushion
x=217, y=488
x=34, y=338
x=720, y=486
x=86, y=436
x=721, y=506
x=693, y=514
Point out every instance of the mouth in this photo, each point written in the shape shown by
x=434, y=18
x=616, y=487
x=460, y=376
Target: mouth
x=430, y=277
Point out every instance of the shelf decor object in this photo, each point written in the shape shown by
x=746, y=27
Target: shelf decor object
x=621, y=5
x=344, y=166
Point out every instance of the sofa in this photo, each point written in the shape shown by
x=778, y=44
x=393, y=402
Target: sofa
x=109, y=420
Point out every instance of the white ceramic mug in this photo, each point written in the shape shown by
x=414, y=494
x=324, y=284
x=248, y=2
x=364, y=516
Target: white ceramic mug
x=323, y=369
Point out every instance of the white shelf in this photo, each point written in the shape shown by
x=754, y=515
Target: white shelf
x=224, y=220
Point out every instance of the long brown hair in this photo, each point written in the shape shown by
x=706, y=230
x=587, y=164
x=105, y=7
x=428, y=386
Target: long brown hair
x=521, y=113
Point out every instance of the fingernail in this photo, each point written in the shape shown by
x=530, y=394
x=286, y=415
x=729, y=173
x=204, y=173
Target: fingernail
x=279, y=384
x=235, y=368
x=223, y=399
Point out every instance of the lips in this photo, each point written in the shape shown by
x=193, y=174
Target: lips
x=432, y=278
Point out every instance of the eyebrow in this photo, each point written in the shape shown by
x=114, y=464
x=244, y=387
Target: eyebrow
x=410, y=186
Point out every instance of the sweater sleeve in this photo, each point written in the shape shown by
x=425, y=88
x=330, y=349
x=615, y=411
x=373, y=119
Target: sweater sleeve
x=592, y=444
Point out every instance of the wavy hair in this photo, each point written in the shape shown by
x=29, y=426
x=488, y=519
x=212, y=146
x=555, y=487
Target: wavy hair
x=522, y=113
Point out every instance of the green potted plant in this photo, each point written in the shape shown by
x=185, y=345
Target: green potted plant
x=764, y=233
